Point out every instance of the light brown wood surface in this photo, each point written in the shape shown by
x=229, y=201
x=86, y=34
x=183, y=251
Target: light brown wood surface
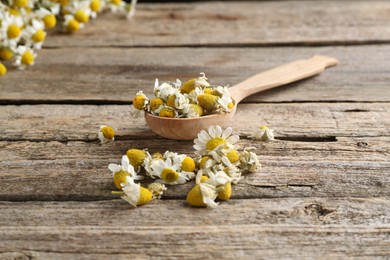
x=324, y=188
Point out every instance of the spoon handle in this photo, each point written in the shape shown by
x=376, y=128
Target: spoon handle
x=281, y=75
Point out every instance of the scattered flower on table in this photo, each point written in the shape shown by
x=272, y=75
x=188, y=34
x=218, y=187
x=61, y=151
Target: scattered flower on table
x=24, y=24
x=263, y=133
x=218, y=165
x=106, y=134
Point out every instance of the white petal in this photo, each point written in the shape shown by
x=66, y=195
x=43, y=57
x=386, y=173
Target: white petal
x=114, y=167
x=218, y=131
x=233, y=139
x=228, y=131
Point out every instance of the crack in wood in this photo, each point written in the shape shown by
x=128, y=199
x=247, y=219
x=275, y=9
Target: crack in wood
x=307, y=138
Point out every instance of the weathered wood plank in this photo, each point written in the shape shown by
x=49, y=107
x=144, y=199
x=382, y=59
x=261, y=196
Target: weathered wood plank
x=284, y=211
x=223, y=241
x=351, y=167
x=221, y=23
x=88, y=75
x=77, y=122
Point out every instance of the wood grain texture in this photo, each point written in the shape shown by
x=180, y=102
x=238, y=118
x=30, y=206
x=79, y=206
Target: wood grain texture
x=351, y=167
x=223, y=241
x=313, y=211
x=93, y=75
x=81, y=122
x=221, y=23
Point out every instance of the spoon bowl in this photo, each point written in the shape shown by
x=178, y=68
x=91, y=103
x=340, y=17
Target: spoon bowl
x=188, y=128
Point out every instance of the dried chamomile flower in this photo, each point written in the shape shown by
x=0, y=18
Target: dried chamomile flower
x=134, y=193
x=136, y=158
x=106, y=134
x=203, y=194
x=222, y=182
x=263, y=133
x=157, y=189
x=120, y=172
x=192, y=84
x=169, y=172
x=215, y=137
x=249, y=161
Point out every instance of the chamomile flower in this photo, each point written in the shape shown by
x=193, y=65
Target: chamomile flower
x=35, y=34
x=223, y=184
x=263, y=133
x=192, y=84
x=11, y=29
x=208, y=141
x=164, y=91
x=249, y=161
x=106, y=134
x=140, y=103
x=169, y=173
x=157, y=189
x=131, y=9
x=134, y=193
x=116, y=5
x=136, y=158
x=203, y=194
x=230, y=169
x=3, y=69
x=121, y=171
x=71, y=25
x=25, y=56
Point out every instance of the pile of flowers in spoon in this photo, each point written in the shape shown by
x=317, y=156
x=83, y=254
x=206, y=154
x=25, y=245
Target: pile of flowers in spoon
x=193, y=98
x=23, y=24
x=217, y=165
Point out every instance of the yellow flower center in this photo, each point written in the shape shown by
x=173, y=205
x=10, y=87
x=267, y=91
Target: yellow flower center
x=14, y=12
x=198, y=109
x=188, y=86
x=139, y=102
x=208, y=91
x=28, y=58
x=225, y=192
x=20, y=3
x=120, y=177
x=95, y=5
x=157, y=155
x=50, y=21
x=81, y=16
x=230, y=105
x=203, y=161
x=169, y=175
x=6, y=54
x=13, y=31
x=195, y=198
x=108, y=132
x=207, y=101
x=188, y=164
x=233, y=156
x=39, y=36
x=73, y=26
x=204, y=179
x=116, y=2
x=144, y=196
x=167, y=112
x=3, y=69
x=155, y=103
x=264, y=127
x=63, y=2
x=171, y=101
x=214, y=143
x=136, y=157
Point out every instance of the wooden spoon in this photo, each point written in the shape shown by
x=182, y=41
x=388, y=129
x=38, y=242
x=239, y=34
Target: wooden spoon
x=188, y=128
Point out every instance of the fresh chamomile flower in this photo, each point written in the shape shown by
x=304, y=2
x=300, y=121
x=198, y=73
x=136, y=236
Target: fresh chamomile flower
x=71, y=25
x=169, y=173
x=3, y=69
x=6, y=53
x=208, y=141
x=263, y=133
x=80, y=10
x=48, y=15
x=120, y=172
x=35, y=34
x=134, y=193
x=136, y=158
x=25, y=56
x=203, y=194
x=249, y=161
x=116, y=5
x=11, y=29
x=106, y=134
x=157, y=189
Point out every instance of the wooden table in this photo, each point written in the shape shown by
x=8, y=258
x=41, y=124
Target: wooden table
x=324, y=188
